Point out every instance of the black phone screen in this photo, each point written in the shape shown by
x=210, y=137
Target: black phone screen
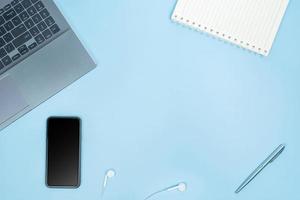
x=63, y=152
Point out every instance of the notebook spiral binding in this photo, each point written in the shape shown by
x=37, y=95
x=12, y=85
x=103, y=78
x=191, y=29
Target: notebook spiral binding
x=218, y=35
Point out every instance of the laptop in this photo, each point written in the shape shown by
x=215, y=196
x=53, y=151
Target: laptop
x=39, y=56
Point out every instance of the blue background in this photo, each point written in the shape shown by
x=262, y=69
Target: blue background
x=166, y=104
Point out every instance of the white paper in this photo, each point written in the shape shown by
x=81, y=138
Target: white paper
x=251, y=24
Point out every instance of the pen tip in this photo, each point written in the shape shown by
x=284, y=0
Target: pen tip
x=238, y=190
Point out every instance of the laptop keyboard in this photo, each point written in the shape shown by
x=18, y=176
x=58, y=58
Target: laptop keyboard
x=24, y=25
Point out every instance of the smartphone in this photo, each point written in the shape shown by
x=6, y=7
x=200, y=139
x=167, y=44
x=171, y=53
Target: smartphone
x=63, y=152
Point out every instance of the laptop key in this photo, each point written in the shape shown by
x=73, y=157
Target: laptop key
x=2, y=42
x=39, y=39
x=16, y=57
x=2, y=53
x=44, y=13
x=26, y=3
x=55, y=29
x=6, y=60
x=19, y=8
x=1, y=20
x=9, y=14
x=42, y=26
x=34, y=1
x=8, y=6
x=19, y=30
x=9, y=26
x=23, y=49
x=32, y=46
x=1, y=11
x=8, y=37
x=37, y=18
x=2, y=31
x=1, y=65
x=16, y=21
x=49, y=21
x=34, y=31
x=14, y=2
x=9, y=48
x=47, y=34
x=39, y=6
x=24, y=16
x=29, y=23
x=22, y=39
x=31, y=11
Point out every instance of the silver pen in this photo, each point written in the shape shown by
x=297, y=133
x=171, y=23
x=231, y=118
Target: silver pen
x=266, y=162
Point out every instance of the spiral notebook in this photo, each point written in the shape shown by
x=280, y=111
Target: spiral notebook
x=251, y=24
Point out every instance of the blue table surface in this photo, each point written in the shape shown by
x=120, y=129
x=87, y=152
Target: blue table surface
x=166, y=104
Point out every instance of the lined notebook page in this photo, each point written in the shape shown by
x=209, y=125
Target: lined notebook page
x=251, y=24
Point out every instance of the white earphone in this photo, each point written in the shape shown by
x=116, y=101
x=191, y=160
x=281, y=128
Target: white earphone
x=181, y=187
x=108, y=175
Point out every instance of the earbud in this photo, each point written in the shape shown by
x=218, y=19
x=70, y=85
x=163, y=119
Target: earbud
x=181, y=187
x=109, y=174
